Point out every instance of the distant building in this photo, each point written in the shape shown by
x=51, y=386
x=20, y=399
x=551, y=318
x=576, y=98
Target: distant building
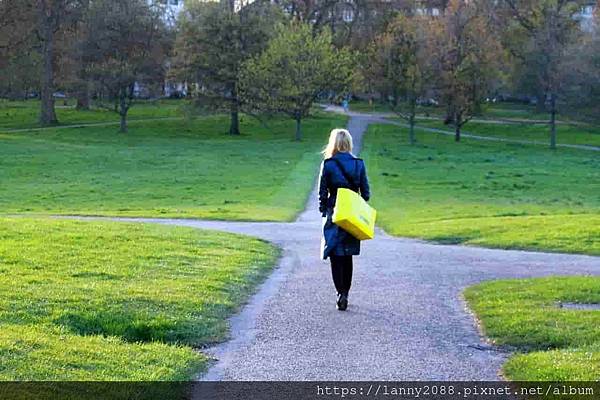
x=586, y=16
x=172, y=8
x=426, y=8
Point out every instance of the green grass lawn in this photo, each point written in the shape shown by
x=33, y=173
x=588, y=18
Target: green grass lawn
x=503, y=110
x=484, y=193
x=87, y=300
x=552, y=343
x=25, y=114
x=379, y=107
x=183, y=168
x=508, y=110
x=363, y=106
x=566, y=133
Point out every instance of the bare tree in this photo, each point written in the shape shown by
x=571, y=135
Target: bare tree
x=19, y=49
x=464, y=55
x=52, y=16
x=213, y=42
x=396, y=62
x=580, y=71
x=548, y=28
x=32, y=26
x=125, y=47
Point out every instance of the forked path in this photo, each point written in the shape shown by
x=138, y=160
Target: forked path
x=406, y=319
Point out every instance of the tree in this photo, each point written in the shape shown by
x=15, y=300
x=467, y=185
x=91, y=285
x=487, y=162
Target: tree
x=32, y=28
x=73, y=74
x=353, y=22
x=580, y=71
x=549, y=29
x=214, y=40
x=19, y=49
x=125, y=47
x=464, y=55
x=52, y=16
x=295, y=69
x=397, y=64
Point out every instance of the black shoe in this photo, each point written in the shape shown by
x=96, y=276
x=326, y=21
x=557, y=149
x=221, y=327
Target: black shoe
x=342, y=302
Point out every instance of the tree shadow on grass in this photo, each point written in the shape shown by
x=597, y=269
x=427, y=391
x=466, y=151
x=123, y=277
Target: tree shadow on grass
x=137, y=323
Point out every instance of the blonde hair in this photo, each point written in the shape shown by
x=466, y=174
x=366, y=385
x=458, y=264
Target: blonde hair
x=340, y=140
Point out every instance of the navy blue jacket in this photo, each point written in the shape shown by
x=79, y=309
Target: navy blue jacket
x=337, y=241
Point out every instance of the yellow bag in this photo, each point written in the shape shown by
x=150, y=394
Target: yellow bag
x=354, y=215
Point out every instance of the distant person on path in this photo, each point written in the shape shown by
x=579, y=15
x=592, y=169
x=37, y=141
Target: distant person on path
x=340, y=169
x=346, y=105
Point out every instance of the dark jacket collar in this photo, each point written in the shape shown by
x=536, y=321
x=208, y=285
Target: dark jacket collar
x=343, y=155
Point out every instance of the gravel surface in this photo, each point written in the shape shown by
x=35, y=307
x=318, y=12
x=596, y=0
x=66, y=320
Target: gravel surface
x=406, y=319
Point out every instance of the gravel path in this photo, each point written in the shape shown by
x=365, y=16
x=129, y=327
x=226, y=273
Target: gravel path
x=406, y=319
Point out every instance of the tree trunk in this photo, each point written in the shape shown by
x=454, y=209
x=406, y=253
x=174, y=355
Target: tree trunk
x=477, y=110
x=123, y=126
x=540, y=106
x=553, y=122
x=234, y=126
x=456, y=128
x=47, y=112
x=123, y=113
x=298, y=128
x=83, y=97
x=475, y=93
x=83, y=103
x=394, y=98
x=411, y=131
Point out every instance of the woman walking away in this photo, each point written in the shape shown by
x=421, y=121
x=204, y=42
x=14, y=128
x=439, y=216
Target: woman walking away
x=340, y=169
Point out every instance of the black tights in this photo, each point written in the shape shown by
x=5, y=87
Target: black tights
x=341, y=270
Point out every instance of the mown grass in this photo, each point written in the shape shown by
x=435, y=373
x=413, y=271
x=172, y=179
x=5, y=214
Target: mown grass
x=515, y=128
x=552, y=343
x=484, y=193
x=566, y=133
x=25, y=114
x=184, y=168
x=379, y=107
x=503, y=110
x=116, y=301
x=509, y=110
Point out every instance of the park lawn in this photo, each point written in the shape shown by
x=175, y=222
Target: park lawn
x=515, y=111
x=580, y=134
x=379, y=107
x=183, y=168
x=503, y=111
x=85, y=300
x=485, y=193
x=551, y=343
x=569, y=233
x=364, y=106
x=25, y=114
